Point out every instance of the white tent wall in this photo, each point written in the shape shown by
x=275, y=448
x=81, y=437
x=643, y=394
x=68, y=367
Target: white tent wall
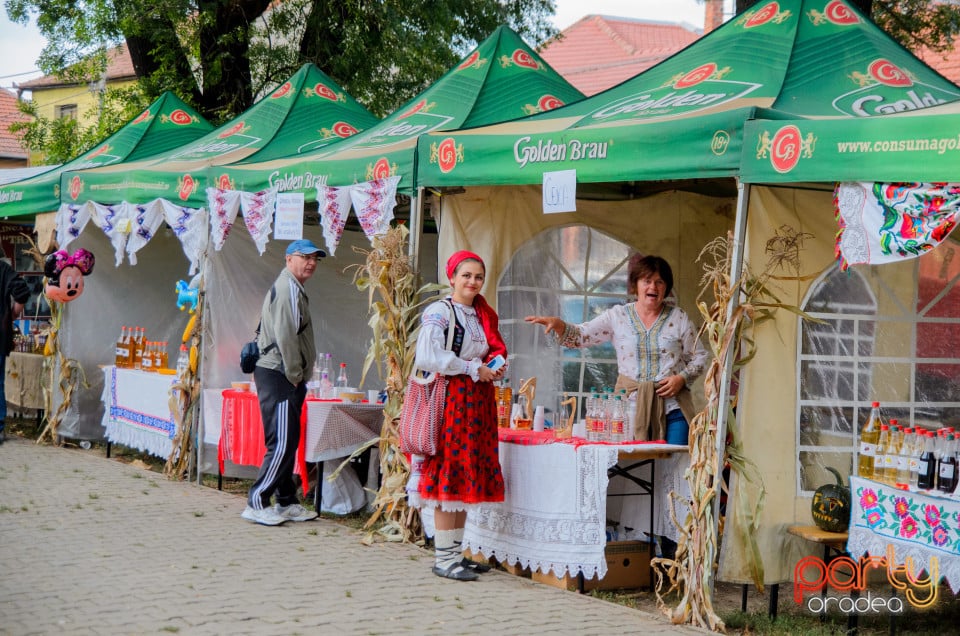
x=114, y=297
x=236, y=280
x=768, y=410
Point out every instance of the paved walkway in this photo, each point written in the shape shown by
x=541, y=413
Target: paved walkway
x=90, y=545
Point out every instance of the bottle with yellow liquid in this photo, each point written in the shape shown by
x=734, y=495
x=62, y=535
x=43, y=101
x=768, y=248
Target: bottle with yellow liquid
x=878, y=458
x=869, y=437
x=123, y=349
x=892, y=454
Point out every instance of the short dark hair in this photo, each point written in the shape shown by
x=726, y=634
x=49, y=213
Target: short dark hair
x=641, y=266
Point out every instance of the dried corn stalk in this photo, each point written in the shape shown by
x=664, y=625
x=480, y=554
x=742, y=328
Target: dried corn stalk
x=185, y=398
x=691, y=571
x=395, y=298
x=60, y=373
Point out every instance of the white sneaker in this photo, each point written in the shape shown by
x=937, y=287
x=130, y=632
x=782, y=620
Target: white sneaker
x=265, y=517
x=295, y=512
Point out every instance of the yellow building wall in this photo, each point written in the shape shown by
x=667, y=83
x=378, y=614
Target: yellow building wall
x=47, y=100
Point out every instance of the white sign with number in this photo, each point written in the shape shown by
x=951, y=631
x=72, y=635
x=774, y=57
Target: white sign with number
x=559, y=191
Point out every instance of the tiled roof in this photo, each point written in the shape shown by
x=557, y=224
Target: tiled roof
x=600, y=51
x=10, y=148
x=119, y=67
x=946, y=63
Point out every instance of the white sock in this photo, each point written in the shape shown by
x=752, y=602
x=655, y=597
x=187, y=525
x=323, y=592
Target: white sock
x=458, y=537
x=446, y=551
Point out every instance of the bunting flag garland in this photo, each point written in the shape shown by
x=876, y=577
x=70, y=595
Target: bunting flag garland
x=889, y=222
x=114, y=220
x=71, y=219
x=224, y=206
x=258, y=209
x=145, y=221
x=334, y=207
x=190, y=226
x=373, y=202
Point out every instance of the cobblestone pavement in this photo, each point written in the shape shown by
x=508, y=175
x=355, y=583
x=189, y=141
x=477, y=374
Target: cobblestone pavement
x=90, y=545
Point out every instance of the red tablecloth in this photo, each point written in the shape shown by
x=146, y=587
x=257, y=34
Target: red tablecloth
x=241, y=433
x=533, y=438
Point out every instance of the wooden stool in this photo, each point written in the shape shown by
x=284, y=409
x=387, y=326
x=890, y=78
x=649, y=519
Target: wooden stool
x=831, y=541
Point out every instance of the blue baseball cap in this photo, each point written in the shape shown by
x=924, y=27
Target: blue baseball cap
x=305, y=247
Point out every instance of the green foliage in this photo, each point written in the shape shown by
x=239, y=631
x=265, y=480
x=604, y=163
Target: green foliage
x=62, y=139
x=220, y=55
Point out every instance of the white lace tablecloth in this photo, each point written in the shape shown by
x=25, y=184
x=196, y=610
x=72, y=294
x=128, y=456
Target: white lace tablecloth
x=336, y=429
x=553, y=517
x=922, y=527
x=136, y=410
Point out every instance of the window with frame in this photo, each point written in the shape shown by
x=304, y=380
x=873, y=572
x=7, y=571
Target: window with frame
x=889, y=333
x=66, y=111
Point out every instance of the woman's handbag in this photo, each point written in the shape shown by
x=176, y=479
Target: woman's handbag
x=423, y=404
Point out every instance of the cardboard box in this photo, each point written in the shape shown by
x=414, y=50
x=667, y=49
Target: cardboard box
x=628, y=567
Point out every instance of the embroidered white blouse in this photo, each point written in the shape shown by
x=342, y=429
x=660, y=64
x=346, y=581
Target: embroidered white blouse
x=669, y=347
x=432, y=354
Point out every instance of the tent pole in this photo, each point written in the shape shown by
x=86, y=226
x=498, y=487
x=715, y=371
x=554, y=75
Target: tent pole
x=416, y=228
x=726, y=376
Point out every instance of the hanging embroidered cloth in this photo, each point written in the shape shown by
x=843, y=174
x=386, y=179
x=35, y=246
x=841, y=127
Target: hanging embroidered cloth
x=114, y=220
x=888, y=222
x=71, y=219
x=224, y=206
x=258, y=209
x=334, y=206
x=189, y=225
x=146, y=219
x=373, y=202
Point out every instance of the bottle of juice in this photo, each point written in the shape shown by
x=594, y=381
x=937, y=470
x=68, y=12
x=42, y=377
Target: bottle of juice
x=878, y=458
x=123, y=351
x=869, y=437
x=903, y=458
x=927, y=470
x=947, y=470
x=890, y=457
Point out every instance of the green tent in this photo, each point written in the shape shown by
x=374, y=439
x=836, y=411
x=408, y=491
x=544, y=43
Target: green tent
x=167, y=123
x=684, y=118
x=307, y=112
x=502, y=79
x=918, y=145
x=681, y=122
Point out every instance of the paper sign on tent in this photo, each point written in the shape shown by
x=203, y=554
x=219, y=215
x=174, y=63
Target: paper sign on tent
x=559, y=191
x=288, y=221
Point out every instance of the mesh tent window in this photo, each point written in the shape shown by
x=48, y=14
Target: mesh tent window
x=574, y=272
x=891, y=333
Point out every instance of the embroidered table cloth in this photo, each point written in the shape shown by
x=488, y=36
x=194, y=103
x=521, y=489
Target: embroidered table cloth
x=920, y=526
x=136, y=410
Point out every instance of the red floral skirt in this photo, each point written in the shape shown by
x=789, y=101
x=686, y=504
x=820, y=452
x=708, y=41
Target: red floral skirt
x=467, y=467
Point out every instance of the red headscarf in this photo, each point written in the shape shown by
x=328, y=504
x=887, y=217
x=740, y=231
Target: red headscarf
x=488, y=317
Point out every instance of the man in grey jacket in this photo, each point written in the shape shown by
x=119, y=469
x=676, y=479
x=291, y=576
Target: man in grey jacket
x=287, y=354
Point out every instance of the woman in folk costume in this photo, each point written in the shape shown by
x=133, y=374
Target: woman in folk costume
x=659, y=354
x=465, y=471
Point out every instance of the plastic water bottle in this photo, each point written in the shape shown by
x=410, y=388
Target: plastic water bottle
x=183, y=361
x=342, y=381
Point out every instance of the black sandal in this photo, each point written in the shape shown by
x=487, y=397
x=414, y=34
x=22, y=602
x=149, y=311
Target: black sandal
x=456, y=571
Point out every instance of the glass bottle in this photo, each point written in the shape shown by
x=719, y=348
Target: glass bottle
x=892, y=453
x=947, y=466
x=183, y=361
x=919, y=439
x=146, y=357
x=123, y=351
x=342, y=381
x=903, y=457
x=881, y=451
x=927, y=469
x=869, y=437
x=138, y=344
x=164, y=357
x=504, y=402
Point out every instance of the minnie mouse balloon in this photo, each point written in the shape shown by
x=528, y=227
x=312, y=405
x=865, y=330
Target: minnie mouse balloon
x=65, y=274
